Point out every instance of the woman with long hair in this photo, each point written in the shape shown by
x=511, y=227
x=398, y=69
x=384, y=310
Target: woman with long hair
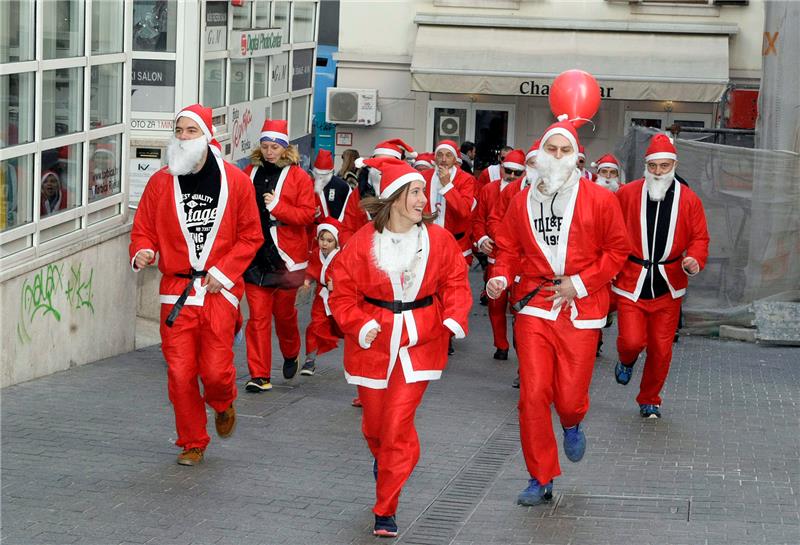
x=285, y=198
x=349, y=171
x=400, y=293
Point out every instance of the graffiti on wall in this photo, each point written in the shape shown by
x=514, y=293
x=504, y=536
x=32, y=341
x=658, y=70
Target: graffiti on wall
x=52, y=291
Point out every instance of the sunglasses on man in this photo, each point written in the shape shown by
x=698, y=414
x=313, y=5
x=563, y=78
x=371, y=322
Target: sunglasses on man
x=513, y=172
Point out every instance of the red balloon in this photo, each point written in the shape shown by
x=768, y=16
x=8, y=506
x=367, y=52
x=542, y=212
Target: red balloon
x=576, y=94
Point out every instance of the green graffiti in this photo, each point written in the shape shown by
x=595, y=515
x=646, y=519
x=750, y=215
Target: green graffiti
x=79, y=289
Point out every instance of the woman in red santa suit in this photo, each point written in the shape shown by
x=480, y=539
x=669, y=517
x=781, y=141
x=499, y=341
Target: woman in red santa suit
x=400, y=293
x=285, y=198
x=322, y=333
x=564, y=237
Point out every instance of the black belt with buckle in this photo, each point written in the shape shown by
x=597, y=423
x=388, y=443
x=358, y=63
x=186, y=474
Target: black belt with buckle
x=178, y=306
x=523, y=302
x=400, y=306
x=646, y=263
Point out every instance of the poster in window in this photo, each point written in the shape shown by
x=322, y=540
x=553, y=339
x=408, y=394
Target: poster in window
x=279, y=74
x=216, y=26
x=301, y=69
x=152, y=85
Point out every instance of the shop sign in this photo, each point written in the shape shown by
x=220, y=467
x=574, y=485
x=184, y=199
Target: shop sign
x=255, y=43
x=216, y=26
x=246, y=120
x=541, y=88
x=141, y=168
x=152, y=85
x=302, y=63
x=153, y=124
x=279, y=74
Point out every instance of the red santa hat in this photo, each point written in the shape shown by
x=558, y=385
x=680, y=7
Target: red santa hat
x=515, y=160
x=606, y=161
x=332, y=225
x=47, y=173
x=425, y=159
x=448, y=145
x=395, y=148
x=216, y=147
x=533, y=151
x=275, y=130
x=395, y=173
x=200, y=115
x=324, y=162
x=564, y=128
x=581, y=152
x=661, y=147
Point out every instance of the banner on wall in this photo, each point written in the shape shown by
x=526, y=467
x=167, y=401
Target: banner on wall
x=245, y=44
x=245, y=121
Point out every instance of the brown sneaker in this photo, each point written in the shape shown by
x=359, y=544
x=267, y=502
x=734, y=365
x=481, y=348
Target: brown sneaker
x=190, y=457
x=226, y=421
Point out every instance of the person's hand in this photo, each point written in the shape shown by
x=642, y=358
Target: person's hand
x=494, y=288
x=212, y=284
x=330, y=285
x=370, y=336
x=487, y=246
x=144, y=258
x=690, y=265
x=444, y=176
x=563, y=289
x=268, y=198
x=303, y=290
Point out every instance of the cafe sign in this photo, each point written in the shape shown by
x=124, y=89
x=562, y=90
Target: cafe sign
x=245, y=44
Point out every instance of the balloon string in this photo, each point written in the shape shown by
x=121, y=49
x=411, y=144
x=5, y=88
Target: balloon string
x=594, y=127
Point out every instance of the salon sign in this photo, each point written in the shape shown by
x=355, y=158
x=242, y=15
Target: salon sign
x=245, y=44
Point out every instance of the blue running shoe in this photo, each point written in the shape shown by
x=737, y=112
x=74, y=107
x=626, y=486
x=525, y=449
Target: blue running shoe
x=650, y=411
x=375, y=468
x=385, y=526
x=623, y=373
x=574, y=443
x=535, y=493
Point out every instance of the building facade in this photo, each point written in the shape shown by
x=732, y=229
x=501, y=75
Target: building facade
x=481, y=70
x=88, y=92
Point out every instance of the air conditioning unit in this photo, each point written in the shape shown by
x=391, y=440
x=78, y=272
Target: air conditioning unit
x=449, y=125
x=352, y=106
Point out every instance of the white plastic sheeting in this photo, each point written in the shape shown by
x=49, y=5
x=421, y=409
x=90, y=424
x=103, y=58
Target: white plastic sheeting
x=752, y=203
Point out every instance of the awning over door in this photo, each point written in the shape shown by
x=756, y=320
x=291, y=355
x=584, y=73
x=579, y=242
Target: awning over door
x=524, y=61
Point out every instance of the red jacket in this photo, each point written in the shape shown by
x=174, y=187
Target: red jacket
x=688, y=237
x=455, y=212
x=354, y=218
x=159, y=225
x=319, y=270
x=498, y=211
x=490, y=174
x=293, y=207
x=416, y=339
x=487, y=201
x=592, y=249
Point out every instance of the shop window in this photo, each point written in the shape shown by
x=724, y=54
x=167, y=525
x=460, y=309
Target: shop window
x=260, y=71
x=240, y=81
x=105, y=161
x=279, y=74
x=214, y=83
x=152, y=85
x=16, y=109
x=242, y=15
x=16, y=31
x=278, y=111
x=62, y=101
x=216, y=38
x=63, y=29
x=303, y=22
x=60, y=180
x=280, y=19
x=302, y=66
x=105, y=101
x=154, y=25
x=106, y=35
x=262, y=14
x=298, y=125
x=16, y=192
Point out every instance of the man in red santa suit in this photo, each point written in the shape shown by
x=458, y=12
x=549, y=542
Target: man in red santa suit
x=400, y=291
x=450, y=192
x=609, y=174
x=285, y=198
x=199, y=216
x=368, y=180
x=564, y=237
x=331, y=192
x=513, y=169
x=667, y=228
x=589, y=175
x=493, y=172
x=498, y=211
x=424, y=161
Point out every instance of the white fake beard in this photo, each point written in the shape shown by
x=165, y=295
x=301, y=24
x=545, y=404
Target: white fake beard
x=375, y=180
x=531, y=175
x=608, y=183
x=554, y=173
x=183, y=156
x=321, y=180
x=657, y=186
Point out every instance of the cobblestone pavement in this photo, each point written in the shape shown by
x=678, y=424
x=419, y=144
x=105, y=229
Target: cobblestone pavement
x=88, y=458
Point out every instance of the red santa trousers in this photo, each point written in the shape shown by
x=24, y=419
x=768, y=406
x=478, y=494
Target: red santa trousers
x=648, y=324
x=322, y=333
x=555, y=368
x=497, y=317
x=387, y=423
x=264, y=304
x=199, y=344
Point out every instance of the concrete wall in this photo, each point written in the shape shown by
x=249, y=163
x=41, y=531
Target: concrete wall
x=72, y=307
